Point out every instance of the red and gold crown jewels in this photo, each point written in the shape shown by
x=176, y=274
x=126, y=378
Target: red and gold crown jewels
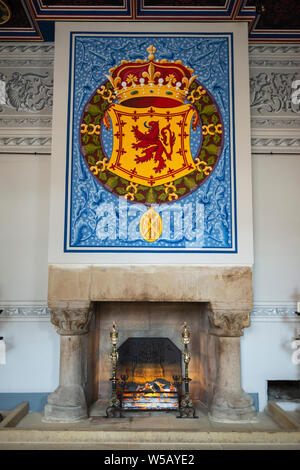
x=151, y=83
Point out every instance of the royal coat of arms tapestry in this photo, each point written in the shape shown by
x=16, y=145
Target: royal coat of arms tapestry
x=151, y=154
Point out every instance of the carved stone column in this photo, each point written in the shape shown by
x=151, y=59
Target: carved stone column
x=68, y=402
x=230, y=403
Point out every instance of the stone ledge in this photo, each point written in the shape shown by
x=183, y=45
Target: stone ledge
x=136, y=439
x=15, y=416
x=227, y=287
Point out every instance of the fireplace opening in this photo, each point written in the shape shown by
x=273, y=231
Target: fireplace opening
x=160, y=323
x=150, y=370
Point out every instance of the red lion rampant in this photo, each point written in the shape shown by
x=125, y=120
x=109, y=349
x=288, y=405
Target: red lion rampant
x=154, y=143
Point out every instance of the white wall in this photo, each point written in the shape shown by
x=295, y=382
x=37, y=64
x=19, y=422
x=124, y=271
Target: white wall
x=24, y=209
x=32, y=343
x=276, y=198
x=32, y=357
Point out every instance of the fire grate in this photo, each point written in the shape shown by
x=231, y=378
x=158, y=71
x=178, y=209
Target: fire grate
x=149, y=369
x=151, y=376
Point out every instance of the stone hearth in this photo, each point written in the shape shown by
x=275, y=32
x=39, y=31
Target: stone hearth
x=150, y=301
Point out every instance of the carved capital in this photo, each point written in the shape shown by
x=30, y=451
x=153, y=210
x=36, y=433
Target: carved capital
x=71, y=321
x=228, y=322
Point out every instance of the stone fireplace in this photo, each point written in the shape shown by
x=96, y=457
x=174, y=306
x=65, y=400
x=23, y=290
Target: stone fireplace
x=149, y=301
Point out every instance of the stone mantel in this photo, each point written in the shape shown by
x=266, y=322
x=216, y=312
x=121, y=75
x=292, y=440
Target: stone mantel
x=227, y=288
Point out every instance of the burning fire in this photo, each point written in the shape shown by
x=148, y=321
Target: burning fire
x=156, y=394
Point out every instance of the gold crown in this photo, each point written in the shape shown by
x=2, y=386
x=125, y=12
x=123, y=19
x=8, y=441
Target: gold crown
x=144, y=83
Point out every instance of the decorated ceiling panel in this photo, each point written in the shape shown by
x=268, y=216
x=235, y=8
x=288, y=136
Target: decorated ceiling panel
x=34, y=19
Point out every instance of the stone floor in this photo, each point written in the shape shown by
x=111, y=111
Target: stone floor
x=145, y=431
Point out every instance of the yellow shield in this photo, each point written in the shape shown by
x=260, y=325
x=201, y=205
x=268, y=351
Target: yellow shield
x=151, y=146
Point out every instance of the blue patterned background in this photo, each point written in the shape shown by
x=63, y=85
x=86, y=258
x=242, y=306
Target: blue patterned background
x=100, y=220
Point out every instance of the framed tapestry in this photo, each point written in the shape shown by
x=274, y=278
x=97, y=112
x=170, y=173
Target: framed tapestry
x=151, y=143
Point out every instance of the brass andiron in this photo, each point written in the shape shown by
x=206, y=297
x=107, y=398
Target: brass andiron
x=186, y=408
x=114, y=410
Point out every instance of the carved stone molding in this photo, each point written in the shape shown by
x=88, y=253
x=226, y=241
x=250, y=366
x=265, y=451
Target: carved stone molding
x=29, y=49
x=278, y=49
x=22, y=143
x=269, y=310
x=275, y=312
x=228, y=323
x=280, y=123
x=274, y=63
x=71, y=321
x=29, y=62
x=30, y=310
x=275, y=118
x=271, y=90
x=273, y=144
x=26, y=97
x=26, y=121
x=29, y=91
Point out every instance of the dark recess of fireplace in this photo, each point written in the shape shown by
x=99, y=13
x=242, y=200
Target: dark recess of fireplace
x=288, y=390
x=150, y=370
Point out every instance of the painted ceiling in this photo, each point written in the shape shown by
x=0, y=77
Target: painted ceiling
x=33, y=20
